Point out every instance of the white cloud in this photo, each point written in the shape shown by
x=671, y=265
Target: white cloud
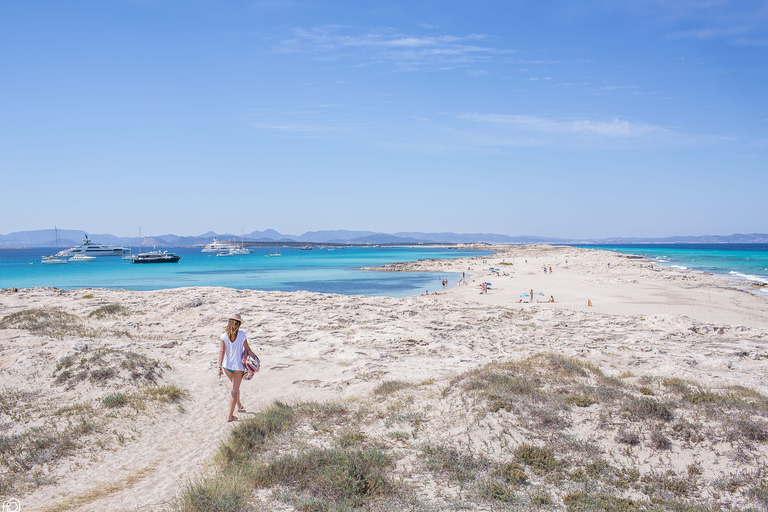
x=405, y=51
x=614, y=128
x=711, y=32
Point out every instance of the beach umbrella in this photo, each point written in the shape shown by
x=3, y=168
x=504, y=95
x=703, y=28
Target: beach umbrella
x=538, y=293
x=523, y=294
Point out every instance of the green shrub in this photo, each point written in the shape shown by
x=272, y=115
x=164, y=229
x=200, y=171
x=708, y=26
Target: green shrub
x=580, y=400
x=115, y=400
x=647, y=409
x=498, y=491
x=347, y=477
x=585, y=502
x=451, y=462
x=167, y=393
x=251, y=434
x=540, y=460
x=513, y=473
x=226, y=492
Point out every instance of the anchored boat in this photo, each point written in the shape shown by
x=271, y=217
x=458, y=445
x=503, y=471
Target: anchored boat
x=89, y=248
x=155, y=257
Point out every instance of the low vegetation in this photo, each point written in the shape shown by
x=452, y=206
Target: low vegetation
x=58, y=323
x=544, y=433
x=107, y=365
x=109, y=310
x=37, y=432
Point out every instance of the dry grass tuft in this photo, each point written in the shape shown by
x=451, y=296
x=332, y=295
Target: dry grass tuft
x=108, y=311
x=106, y=365
x=390, y=386
x=52, y=322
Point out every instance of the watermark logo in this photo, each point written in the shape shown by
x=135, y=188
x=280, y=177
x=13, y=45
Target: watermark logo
x=12, y=505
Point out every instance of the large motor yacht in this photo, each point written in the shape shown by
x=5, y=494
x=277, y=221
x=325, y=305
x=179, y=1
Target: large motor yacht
x=217, y=246
x=89, y=248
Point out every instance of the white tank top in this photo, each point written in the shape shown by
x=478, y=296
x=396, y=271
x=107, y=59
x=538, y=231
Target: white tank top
x=233, y=356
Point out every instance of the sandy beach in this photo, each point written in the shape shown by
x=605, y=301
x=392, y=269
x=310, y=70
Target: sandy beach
x=646, y=325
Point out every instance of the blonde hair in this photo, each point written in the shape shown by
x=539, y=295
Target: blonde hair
x=232, y=327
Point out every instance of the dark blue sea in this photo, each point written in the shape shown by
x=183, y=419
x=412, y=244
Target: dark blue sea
x=326, y=270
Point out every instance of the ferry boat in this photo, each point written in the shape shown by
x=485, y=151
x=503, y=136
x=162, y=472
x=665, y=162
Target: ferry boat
x=217, y=246
x=89, y=248
x=155, y=257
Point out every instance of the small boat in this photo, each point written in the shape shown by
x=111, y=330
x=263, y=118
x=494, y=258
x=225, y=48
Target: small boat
x=276, y=252
x=155, y=257
x=82, y=257
x=54, y=259
x=306, y=248
x=225, y=253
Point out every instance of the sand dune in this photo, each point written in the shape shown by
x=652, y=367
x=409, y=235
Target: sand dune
x=644, y=319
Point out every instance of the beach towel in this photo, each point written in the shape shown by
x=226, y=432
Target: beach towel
x=252, y=365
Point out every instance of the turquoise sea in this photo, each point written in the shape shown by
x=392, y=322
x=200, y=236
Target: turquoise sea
x=326, y=270
x=744, y=261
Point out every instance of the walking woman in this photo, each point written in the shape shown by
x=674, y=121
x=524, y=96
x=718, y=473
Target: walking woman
x=232, y=354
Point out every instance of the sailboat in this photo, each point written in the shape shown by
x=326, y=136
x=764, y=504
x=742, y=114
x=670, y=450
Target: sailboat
x=54, y=259
x=239, y=250
x=276, y=252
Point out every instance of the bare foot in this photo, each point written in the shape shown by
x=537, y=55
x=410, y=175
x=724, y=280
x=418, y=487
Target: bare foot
x=233, y=418
x=241, y=409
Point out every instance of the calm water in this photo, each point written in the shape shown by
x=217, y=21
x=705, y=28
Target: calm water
x=318, y=270
x=746, y=261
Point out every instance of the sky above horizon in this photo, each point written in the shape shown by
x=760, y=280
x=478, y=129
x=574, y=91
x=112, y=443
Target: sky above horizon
x=564, y=119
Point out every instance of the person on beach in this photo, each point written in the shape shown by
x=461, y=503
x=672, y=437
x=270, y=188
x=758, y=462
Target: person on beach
x=232, y=356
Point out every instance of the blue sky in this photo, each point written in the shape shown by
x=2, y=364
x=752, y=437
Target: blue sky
x=571, y=119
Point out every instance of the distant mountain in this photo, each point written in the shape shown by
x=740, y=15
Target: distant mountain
x=47, y=238
x=738, y=238
x=70, y=238
x=382, y=238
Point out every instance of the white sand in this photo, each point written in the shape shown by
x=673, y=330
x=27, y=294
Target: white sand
x=647, y=319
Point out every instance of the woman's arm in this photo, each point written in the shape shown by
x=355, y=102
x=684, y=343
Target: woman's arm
x=222, y=351
x=247, y=349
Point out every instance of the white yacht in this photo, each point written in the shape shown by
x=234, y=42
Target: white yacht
x=217, y=246
x=89, y=248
